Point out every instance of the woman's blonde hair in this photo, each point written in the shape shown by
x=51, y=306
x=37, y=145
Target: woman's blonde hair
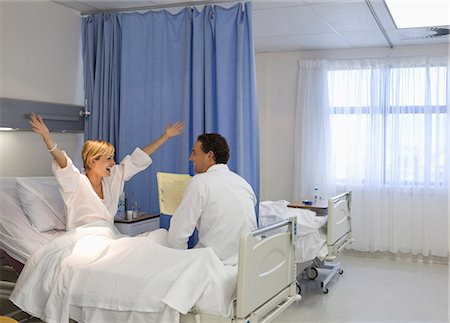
x=94, y=149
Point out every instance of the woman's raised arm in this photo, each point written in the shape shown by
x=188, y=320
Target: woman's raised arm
x=169, y=132
x=39, y=127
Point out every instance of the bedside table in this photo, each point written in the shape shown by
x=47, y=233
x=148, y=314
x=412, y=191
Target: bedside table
x=320, y=207
x=143, y=223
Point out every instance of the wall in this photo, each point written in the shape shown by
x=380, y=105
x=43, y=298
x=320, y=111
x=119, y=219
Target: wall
x=40, y=60
x=276, y=75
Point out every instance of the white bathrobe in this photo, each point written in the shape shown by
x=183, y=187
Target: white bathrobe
x=83, y=204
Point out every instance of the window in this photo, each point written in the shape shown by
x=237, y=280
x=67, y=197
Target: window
x=389, y=124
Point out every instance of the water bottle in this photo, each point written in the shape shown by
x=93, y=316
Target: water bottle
x=316, y=195
x=121, y=205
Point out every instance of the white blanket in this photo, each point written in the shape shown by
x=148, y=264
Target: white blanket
x=93, y=266
x=311, y=240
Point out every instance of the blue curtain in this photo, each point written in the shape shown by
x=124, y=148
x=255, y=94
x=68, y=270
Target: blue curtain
x=101, y=57
x=194, y=66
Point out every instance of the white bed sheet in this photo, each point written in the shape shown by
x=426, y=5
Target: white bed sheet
x=95, y=267
x=17, y=236
x=311, y=238
x=123, y=291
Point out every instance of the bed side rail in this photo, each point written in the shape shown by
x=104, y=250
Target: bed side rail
x=293, y=228
x=266, y=273
x=339, y=231
x=347, y=196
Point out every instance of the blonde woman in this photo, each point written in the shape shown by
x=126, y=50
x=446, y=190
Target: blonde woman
x=94, y=196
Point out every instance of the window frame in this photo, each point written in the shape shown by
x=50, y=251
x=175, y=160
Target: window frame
x=385, y=110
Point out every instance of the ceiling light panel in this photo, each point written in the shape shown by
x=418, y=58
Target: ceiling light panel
x=419, y=13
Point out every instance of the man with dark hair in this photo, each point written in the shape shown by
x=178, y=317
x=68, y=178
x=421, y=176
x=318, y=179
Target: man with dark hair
x=217, y=201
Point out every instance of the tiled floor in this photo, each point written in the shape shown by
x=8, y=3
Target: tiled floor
x=373, y=288
x=376, y=288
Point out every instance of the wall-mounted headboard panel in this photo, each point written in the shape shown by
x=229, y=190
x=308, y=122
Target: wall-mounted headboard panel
x=15, y=113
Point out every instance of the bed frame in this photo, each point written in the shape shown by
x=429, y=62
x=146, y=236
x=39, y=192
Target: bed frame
x=266, y=283
x=339, y=229
x=266, y=280
x=339, y=235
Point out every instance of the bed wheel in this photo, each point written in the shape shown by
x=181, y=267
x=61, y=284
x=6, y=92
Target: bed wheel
x=325, y=290
x=341, y=271
x=311, y=273
x=299, y=289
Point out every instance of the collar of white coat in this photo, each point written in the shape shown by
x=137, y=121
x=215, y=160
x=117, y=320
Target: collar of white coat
x=217, y=167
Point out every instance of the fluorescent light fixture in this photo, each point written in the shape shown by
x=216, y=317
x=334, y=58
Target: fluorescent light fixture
x=8, y=129
x=419, y=13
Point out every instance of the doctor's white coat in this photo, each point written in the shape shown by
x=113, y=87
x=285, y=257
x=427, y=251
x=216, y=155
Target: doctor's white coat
x=221, y=204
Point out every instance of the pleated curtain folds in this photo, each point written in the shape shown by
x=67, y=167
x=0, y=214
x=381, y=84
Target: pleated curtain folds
x=143, y=70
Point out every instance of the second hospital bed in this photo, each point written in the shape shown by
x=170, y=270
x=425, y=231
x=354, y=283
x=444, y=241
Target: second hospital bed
x=90, y=274
x=319, y=238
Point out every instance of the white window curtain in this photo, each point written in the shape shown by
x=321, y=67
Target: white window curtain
x=312, y=150
x=388, y=138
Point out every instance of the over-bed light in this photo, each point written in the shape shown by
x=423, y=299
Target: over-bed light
x=8, y=129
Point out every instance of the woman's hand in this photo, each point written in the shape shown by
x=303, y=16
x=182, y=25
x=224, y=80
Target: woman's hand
x=175, y=130
x=39, y=126
x=169, y=132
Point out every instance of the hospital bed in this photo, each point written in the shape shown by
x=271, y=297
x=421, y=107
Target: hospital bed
x=259, y=289
x=319, y=238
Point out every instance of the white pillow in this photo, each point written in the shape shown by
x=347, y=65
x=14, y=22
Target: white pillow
x=42, y=202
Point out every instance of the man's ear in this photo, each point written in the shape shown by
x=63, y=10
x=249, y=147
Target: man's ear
x=211, y=156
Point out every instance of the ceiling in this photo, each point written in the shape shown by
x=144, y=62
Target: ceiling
x=299, y=25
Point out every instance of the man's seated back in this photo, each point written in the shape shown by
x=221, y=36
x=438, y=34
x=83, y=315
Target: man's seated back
x=217, y=201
